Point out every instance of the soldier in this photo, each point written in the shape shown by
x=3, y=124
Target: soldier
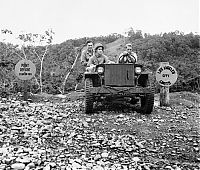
x=127, y=56
x=85, y=55
x=98, y=57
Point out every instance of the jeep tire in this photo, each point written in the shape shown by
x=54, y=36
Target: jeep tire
x=147, y=102
x=88, y=96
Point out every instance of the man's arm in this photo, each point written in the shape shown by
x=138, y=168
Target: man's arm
x=120, y=57
x=83, y=58
x=90, y=62
x=135, y=56
x=106, y=59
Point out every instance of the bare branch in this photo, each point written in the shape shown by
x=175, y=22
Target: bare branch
x=72, y=67
x=37, y=81
x=13, y=52
x=36, y=54
x=60, y=90
x=46, y=49
x=41, y=64
x=18, y=55
x=24, y=52
x=31, y=52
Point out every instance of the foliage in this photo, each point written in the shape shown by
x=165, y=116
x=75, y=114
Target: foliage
x=181, y=51
x=27, y=48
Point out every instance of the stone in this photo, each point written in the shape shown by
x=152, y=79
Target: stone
x=2, y=166
x=47, y=167
x=169, y=167
x=104, y=155
x=18, y=166
x=76, y=165
x=88, y=119
x=139, y=120
x=23, y=160
x=7, y=161
x=98, y=167
x=168, y=108
x=195, y=144
x=85, y=124
x=136, y=159
x=31, y=165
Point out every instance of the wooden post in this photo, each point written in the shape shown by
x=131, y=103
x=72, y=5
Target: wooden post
x=25, y=95
x=164, y=91
x=164, y=96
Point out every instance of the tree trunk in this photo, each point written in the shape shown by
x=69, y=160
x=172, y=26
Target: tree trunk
x=41, y=64
x=41, y=68
x=70, y=71
x=72, y=68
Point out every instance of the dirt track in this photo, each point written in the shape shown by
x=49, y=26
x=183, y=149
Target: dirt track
x=53, y=132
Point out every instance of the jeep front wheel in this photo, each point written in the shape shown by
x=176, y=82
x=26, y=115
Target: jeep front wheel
x=147, y=102
x=88, y=96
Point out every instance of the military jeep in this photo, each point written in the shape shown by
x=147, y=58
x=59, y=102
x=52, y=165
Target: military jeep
x=119, y=82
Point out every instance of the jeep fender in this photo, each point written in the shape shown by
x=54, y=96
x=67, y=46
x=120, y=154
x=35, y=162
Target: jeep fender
x=91, y=75
x=95, y=78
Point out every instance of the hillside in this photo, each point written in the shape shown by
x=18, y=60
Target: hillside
x=113, y=49
x=181, y=51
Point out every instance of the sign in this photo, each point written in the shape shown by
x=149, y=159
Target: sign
x=25, y=69
x=166, y=75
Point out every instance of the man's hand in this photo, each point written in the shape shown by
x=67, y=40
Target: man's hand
x=84, y=64
x=110, y=62
x=91, y=68
x=125, y=53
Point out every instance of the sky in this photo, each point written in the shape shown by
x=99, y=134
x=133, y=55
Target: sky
x=71, y=19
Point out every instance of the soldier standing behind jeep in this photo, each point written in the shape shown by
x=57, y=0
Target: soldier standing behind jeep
x=86, y=54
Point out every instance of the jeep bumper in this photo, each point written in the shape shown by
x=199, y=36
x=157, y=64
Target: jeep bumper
x=120, y=90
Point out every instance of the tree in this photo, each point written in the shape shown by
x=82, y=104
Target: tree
x=72, y=67
x=181, y=51
x=30, y=43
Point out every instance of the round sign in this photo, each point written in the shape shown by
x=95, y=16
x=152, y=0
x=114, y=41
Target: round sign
x=25, y=69
x=166, y=75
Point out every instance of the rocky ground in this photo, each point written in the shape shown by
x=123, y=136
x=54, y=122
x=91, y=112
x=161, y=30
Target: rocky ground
x=52, y=132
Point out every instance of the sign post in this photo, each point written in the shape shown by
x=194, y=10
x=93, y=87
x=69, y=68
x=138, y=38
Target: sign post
x=166, y=76
x=25, y=70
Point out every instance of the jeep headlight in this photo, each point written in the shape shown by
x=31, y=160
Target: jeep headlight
x=138, y=70
x=100, y=70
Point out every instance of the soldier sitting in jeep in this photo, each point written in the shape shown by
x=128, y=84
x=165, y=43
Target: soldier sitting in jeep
x=128, y=56
x=98, y=58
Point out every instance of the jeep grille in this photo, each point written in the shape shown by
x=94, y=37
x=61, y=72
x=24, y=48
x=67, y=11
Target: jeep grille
x=119, y=75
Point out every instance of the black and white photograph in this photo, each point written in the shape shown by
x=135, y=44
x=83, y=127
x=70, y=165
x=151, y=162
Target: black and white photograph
x=99, y=85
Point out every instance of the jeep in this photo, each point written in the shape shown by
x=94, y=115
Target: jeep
x=127, y=83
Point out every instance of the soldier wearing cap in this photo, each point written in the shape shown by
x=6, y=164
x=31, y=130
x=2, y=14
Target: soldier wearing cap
x=98, y=57
x=128, y=56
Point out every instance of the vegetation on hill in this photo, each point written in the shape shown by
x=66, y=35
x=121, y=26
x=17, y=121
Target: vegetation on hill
x=180, y=50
